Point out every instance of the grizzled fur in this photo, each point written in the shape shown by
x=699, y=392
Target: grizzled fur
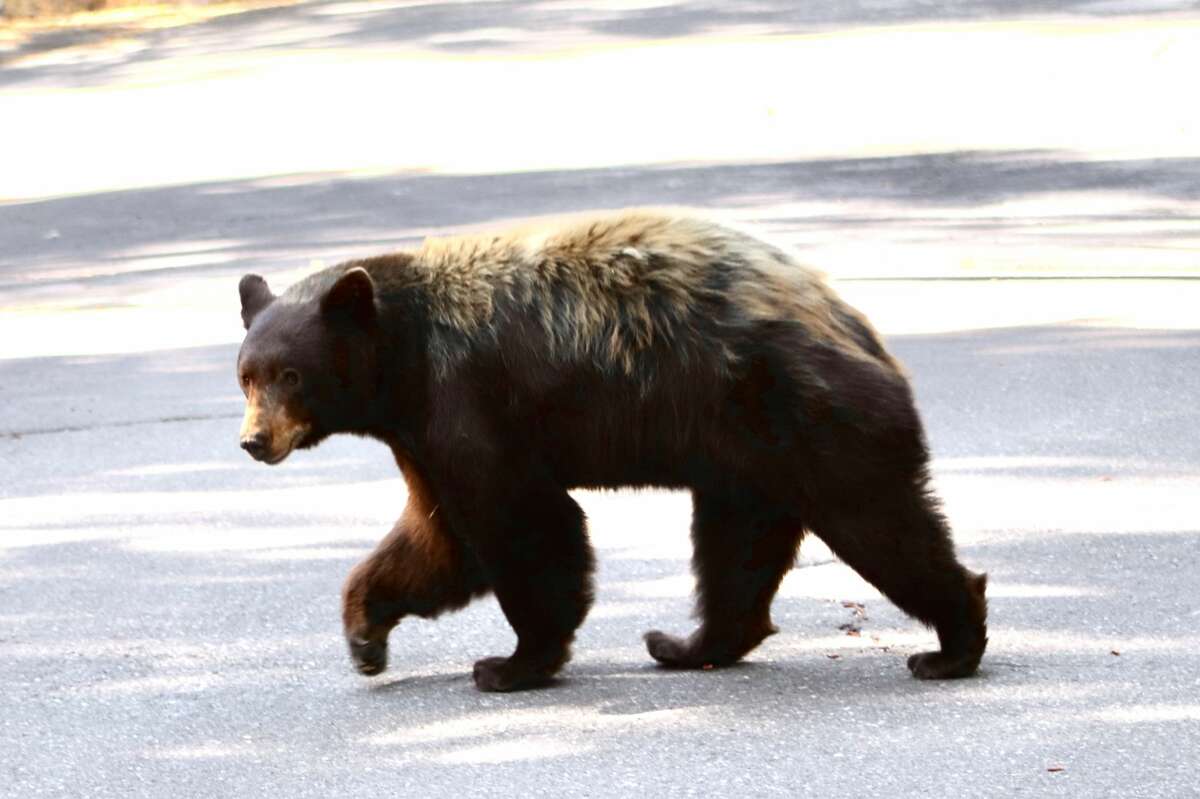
x=627, y=349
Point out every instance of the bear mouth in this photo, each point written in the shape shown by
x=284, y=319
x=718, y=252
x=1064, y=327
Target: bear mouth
x=276, y=458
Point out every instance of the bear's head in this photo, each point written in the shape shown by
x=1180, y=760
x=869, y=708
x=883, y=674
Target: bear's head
x=307, y=364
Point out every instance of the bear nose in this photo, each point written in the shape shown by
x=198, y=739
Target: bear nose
x=256, y=445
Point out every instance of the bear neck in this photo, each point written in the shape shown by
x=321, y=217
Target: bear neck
x=400, y=409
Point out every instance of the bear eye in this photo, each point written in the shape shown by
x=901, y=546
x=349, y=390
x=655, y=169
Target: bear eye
x=290, y=378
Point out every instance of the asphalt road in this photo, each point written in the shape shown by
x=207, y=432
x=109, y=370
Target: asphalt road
x=169, y=609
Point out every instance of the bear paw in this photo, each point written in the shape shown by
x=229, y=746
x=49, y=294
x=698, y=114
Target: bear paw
x=941, y=666
x=370, y=657
x=508, y=674
x=675, y=653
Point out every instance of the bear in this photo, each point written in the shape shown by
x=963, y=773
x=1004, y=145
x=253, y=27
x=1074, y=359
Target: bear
x=629, y=348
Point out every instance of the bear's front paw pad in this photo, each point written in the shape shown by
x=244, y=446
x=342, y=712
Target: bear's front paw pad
x=507, y=674
x=940, y=666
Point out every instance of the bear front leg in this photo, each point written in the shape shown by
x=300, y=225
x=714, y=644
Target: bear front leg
x=536, y=553
x=417, y=569
x=367, y=619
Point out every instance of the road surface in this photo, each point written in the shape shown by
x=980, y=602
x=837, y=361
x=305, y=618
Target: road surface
x=169, y=608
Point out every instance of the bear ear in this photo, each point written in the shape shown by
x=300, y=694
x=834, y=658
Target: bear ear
x=353, y=295
x=255, y=297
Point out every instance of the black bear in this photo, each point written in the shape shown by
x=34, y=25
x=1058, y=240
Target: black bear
x=637, y=348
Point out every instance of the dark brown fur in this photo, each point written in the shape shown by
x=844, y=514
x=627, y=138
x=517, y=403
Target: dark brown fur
x=781, y=413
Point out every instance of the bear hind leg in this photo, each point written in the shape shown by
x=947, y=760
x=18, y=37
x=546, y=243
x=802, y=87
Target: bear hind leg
x=899, y=542
x=743, y=546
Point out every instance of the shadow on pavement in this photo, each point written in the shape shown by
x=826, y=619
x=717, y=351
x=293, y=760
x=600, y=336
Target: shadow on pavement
x=70, y=251
x=187, y=634
x=509, y=26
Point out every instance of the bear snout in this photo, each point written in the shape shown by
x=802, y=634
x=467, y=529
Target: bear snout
x=256, y=445
x=270, y=446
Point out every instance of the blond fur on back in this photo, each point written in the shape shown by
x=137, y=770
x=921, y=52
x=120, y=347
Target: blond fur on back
x=608, y=286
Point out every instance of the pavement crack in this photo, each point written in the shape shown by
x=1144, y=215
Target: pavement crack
x=14, y=435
